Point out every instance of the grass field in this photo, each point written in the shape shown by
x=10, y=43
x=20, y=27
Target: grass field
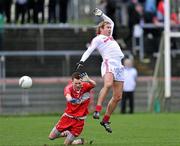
x=128, y=130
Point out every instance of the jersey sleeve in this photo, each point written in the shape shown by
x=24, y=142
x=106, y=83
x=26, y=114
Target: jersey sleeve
x=88, y=86
x=91, y=48
x=106, y=18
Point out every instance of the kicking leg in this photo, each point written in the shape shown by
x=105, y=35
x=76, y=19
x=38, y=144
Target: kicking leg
x=117, y=95
x=108, y=82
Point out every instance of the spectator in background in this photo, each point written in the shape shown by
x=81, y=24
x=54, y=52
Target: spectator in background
x=159, y=19
x=135, y=14
x=38, y=8
x=149, y=11
x=30, y=10
x=130, y=75
x=52, y=11
x=1, y=7
x=142, y=1
x=160, y=12
x=20, y=10
x=1, y=29
x=160, y=15
x=7, y=10
x=63, y=5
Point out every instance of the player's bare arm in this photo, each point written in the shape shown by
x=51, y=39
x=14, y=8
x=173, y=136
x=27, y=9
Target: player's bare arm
x=69, y=98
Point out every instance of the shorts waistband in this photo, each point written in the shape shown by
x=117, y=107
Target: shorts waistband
x=73, y=117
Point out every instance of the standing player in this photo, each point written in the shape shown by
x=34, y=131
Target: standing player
x=112, y=69
x=71, y=122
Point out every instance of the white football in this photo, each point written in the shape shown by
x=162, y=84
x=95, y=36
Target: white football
x=25, y=82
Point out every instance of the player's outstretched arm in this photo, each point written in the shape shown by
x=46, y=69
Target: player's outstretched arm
x=99, y=13
x=79, y=65
x=87, y=53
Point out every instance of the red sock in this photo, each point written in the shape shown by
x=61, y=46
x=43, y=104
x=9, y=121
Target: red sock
x=106, y=118
x=98, y=108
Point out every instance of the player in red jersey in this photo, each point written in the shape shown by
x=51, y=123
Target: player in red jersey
x=71, y=122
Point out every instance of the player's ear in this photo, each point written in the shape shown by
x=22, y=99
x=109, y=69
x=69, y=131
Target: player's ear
x=101, y=29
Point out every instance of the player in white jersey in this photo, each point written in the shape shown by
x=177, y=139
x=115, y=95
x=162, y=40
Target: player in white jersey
x=112, y=70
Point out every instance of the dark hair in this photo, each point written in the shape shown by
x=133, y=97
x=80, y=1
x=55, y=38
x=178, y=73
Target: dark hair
x=76, y=75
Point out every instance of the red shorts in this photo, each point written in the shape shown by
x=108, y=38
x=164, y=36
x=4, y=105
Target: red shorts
x=73, y=125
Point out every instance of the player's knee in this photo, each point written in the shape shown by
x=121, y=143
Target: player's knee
x=54, y=134
x=108, y=85
x=117, y=98
x=51, y=137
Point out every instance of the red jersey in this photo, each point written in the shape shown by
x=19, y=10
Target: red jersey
x=78, y=110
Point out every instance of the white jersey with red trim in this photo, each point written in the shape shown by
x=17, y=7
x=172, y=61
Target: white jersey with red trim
x=106, y=45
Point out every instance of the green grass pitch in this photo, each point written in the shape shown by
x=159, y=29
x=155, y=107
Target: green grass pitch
x=128, y=130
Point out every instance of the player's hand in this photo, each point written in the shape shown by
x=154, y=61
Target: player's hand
x=83, y=74
x=84, y=77
x=79, y=65
x=97, y=12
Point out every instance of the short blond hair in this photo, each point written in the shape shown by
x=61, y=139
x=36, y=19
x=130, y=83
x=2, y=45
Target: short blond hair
x=101, y=25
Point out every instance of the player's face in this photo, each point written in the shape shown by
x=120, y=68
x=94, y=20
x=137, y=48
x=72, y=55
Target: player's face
x=106, y=30
x=77, y=84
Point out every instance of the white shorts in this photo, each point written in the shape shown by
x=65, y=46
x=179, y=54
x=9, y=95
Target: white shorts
x=113, y=66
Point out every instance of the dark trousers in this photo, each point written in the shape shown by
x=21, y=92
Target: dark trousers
x=38, y=8
x=52, y=11
x=63, y=4
x=127, y=96
x=20, y=11
x=7, y=9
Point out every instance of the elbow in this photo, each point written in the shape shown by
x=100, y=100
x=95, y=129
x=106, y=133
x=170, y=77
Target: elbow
x=94, y=84
x=112, y=23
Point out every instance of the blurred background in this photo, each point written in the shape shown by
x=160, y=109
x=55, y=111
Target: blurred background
x=45, y=38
